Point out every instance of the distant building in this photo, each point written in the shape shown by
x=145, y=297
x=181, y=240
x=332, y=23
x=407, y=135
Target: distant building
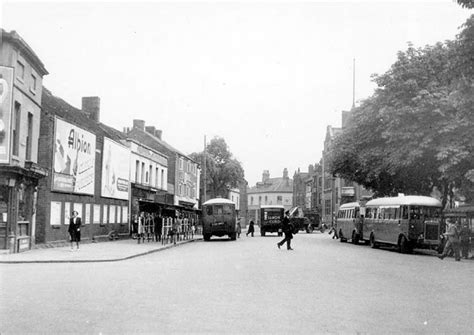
x=21, y=77
x=270, y=191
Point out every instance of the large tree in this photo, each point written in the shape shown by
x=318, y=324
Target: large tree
x=415, y=134
x=223, y=171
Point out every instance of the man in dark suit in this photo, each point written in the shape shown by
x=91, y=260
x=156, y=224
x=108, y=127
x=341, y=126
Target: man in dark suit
x=75, y=229
x=287, y=229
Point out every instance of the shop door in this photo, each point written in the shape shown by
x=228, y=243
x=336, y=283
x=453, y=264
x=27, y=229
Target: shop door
x=3, y=216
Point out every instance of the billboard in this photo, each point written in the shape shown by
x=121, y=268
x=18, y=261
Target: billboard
x=115, y=170
x=74, y=159
x=6, y=97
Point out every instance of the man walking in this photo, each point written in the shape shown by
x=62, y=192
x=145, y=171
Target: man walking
x=287, y=230
x=452, y=235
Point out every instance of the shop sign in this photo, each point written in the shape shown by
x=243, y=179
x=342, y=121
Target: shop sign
x=6, y=88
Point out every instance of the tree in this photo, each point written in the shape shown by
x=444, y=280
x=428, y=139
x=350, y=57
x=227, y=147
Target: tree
x=466, y=3
x=223, y=171
x=414, y=135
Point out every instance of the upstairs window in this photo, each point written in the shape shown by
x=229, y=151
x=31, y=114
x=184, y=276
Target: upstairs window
x=20, y=70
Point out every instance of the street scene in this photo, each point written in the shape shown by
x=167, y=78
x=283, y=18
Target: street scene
x=237, y=167
x=246, y=286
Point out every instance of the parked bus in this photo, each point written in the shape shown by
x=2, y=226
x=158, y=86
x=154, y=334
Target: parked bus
x=219, y=218
x=271, y=218
x=349, y=222
x=404, y=221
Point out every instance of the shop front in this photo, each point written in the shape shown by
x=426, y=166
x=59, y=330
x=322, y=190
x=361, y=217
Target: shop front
x=18, y=197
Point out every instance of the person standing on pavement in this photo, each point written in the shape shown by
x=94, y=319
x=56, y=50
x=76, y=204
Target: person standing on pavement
x=251, y=229
x=158, y=221
x=288, y=231
x=75, y=229
x=141, y=228
x=464, y=236
x=452, y=235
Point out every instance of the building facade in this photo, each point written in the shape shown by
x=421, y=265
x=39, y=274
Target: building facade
x=21, y=75
x=88, y=172
x=270, y=191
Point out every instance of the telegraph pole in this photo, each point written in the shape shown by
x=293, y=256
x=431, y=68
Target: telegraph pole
x=204, y=156
x=353, y=81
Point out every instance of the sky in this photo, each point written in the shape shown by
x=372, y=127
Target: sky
x=268, y=77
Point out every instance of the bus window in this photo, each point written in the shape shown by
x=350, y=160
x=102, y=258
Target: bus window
x=415, y=212
x=357, y=213
x=227, y=209
x=209, y=210
x=218, y=210
x=405, y=212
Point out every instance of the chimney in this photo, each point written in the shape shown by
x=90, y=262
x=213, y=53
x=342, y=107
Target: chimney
x=150, y=130
x=265, y=175
x=285, y=173
x=91, y=106
x=139, y=124
x=158, y=133
x=310, y=169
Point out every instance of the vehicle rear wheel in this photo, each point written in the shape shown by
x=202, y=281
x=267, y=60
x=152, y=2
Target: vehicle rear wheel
x=262, y=232
x=233, y=236
x=372, y=242
x=309, y=229
x=355, y=238
x=403, y=245
x=207, y=237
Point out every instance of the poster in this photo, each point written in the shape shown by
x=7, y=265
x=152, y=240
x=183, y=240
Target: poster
x=6, y=90
x=87, y=216
x=115, y=170
x=124, y=214
x=67, y=212
x=74, y=159
x=112, y=214
x=105, y=211
x=78, y=208
x=55, y=219
x=96, y=214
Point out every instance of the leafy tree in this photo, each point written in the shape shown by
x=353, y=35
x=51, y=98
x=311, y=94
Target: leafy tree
x=414, y=135
x=223, y=171
x=466, y=3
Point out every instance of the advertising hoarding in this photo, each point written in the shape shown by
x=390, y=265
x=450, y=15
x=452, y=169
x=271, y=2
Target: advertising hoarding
x=6, y=94
x=74, y=159
x=115, y=170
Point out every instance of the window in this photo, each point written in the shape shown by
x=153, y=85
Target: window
x=260, y=200
x=20, y=68
x=150, y=171
x=29, y=137
x=33, y=83
x=266, y=199
x=279, y=199
x=137, y=171
x=162, y=179
x=16, y=129
x=157, y=175
x=143, y=173
x=251, y=200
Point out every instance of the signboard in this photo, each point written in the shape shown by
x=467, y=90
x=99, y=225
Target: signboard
x=74, y=159
x=87, y=217
x=124, y=214
x=6, y=90
x=55, y=219
x=115, y=170
x=96, y=214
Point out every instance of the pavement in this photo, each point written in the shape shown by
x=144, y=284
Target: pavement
x=110, y=251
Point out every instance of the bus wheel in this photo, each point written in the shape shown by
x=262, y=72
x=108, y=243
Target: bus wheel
x=262, y=232
x=233, y=236
x=309, y=229
x=355, y=238
x=207, y=237
x=372, y=243
x=403, y=245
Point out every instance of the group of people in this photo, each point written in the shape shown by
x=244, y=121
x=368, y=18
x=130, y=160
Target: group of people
x=152, y=227
x=456, y=239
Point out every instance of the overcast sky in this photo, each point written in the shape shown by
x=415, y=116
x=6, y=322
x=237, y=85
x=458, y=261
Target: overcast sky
x=267, y=77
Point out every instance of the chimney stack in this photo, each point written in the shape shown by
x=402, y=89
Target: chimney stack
x=158, y=133
x=150, y=130
x=139, y=124
x=91, y=106
x=265, y=175
x=285, y=173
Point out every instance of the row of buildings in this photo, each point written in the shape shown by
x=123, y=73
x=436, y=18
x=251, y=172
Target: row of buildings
x=316, y=191
x=55, y=158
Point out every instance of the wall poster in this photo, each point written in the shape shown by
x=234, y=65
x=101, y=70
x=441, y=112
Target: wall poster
x=87, y=216
x=112, y=214
x=115, y=170
x=74, y=159
x=96, y=214
x=67, y=212
x=55, y=218
x=6, y=97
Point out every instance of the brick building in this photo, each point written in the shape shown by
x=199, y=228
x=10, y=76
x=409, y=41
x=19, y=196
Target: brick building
x=21, y=74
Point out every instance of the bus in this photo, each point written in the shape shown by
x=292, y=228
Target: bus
x=219, y=218
x=271, y=218
x=349, y=222
x=404, y=221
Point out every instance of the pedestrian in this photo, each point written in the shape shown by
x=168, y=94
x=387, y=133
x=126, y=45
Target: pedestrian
x=75, y=229
x=452, y=243
x=193, y=229
x=288, y=231
x=239, y=228
x=134, y=226
x=158, y=222
x=141, y=228
x=334, y=231
x=464, y=236
x=251, y=229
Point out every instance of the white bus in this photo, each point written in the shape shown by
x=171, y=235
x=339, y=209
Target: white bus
x=404, y=221
x=349, y=222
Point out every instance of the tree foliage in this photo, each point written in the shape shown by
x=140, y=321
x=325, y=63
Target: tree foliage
x=223, y=171
x=466, y=3
x=415, y=133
